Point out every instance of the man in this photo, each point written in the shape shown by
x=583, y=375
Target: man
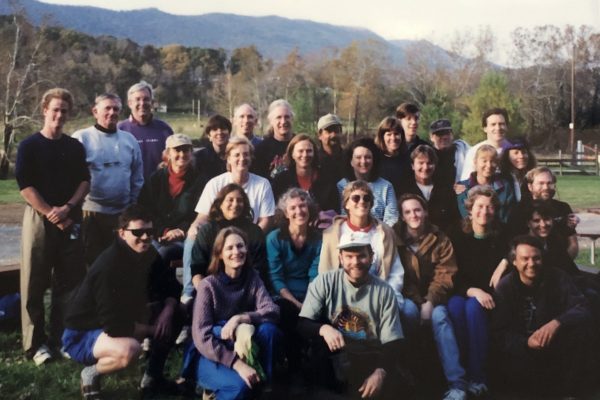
x=495, y=126
x=541, y=324
x=409, y=115
x=330, y=149
x=244, y=120
x=151, y=133
x=352, y=317
x=451, y=153
x=541, y=183
x=268, y=160
x=53, y=179
x=115, y=162
x=127, y=295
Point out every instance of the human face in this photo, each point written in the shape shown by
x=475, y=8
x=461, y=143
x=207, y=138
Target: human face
x=495, y=129
x=413, y=214
x=356, y=263
x=482, y=213
x=245, y=121
x=239, y=158
x=219, y=138
x=232, y=206
x=518, y=158
x=140, y=103
x=360, y=208
x=542, y=187
x=362, y=161
x=180, y=157
x=303, y=154
x=330, y=136
x=392, y=141
x=540, y=226
x=424, y=168
x=233, y=254
x=442, y=140
x=296, y=211
x=281, y=122
x=410, y=124
x=485, y=165
x=138, y=244
x=107, y=113
x=55, y=115
x=528, y=262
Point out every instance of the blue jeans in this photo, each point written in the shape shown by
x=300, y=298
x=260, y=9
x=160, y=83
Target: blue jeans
x=188, y=287
x=471, y=326
x=445, y=340
x=226, y=382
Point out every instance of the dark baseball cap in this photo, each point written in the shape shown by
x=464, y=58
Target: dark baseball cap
x=440, y=126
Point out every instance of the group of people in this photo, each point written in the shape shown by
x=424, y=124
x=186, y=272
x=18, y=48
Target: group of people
x=299, y=251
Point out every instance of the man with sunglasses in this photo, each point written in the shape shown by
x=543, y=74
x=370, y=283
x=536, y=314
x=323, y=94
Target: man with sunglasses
x=128, y=294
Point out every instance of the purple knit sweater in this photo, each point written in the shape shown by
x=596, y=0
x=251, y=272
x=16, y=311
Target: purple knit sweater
x=220, y=298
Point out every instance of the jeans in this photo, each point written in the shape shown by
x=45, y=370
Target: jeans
x=188, y=287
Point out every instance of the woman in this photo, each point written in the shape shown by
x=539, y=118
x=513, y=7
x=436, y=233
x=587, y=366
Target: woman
x=357, y=203
x=486, y=164
x=211, y=158
x=428, y=256
x=515, y=162
x=293, y=252
x=302, y=171
x=480, y=248
x=170, y=195
x=362, y=163
x=395, y=163
x=231, y=295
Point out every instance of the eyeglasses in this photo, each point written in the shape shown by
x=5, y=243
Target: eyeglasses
x=138, y=233
x=367, y=198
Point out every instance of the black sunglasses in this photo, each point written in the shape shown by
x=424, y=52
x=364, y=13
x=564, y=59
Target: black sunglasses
x=140, y=232
x=367, y=198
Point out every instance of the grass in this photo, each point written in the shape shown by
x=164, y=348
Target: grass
x=581, y=192
x=9, y=192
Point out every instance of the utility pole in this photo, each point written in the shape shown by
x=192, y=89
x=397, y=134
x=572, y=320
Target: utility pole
x=572, y=124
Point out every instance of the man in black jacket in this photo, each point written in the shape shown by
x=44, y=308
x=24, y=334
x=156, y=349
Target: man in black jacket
x=128, y=294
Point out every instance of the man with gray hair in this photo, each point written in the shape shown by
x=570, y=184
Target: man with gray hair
x=115, y=163
x=151, y=133
x=268, y=160
x=244, y=121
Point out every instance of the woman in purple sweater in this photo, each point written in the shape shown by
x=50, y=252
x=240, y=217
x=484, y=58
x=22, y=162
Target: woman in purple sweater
x=232, y=294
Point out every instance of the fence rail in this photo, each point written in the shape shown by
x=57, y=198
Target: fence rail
x=583, y=162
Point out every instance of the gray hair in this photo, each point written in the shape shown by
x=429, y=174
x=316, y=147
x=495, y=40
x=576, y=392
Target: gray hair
x=141, y=85
x=279, y=103
x=293, y=193
x=237, y=110
x=107, y=96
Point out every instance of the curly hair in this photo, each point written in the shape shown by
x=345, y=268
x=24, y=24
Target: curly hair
x=216, y=214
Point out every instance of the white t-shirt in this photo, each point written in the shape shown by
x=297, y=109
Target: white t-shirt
x=257, y=188
x=426, y=190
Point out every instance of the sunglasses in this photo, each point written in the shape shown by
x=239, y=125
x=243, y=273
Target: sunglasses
x=367, y=198
x=138, y=233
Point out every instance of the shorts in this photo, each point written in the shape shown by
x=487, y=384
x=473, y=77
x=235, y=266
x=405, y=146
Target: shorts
x=80, y=345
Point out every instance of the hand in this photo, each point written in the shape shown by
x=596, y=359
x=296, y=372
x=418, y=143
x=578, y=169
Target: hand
x=246, y=372
x=192, y=232
x=196, y=281
x=533, y=342
x=458, y=189
x=162, y=328
x=484, y=298
x=172, y=235
x=228, y=331
x=58, y=214
x=544, y=335
x=64, y=224
x=572, y=221
x=498, y=272
x=426, y=311
x=333, y=337
x=373, y=384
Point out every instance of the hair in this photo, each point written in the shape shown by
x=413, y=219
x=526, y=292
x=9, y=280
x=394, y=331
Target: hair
x=107, y=96
x=279, y=103
x=406, y=109
x=293, y=193
x=423, y=202
x=543, y=208
x=485, y=148
x=237, y=110
x=215, y=122
x=386, y=125
x=494, y=111
x=289, y=161
x=424, y=150
x=474, y=193
x=57, y=93
x=531, y=174
x=236, y=141
x=527, y=240
x=141, y=85
x=132, y=213
x=369, y=144
x=506, y=166
x=216, y=263
x=215, y=213
x=353, y=186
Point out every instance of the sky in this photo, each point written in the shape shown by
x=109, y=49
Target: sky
x=434, y=20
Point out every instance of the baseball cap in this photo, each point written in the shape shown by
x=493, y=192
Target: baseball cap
x=440, y=125
x=354, y=239
x=176, y=140
x=328, y=120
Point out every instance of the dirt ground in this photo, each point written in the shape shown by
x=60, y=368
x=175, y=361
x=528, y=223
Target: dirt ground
x=11, y=213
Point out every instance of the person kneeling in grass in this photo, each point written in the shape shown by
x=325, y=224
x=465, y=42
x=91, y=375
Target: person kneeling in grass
x=128, y=294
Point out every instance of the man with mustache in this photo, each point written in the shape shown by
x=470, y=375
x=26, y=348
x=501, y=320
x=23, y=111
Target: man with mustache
x=330, y=149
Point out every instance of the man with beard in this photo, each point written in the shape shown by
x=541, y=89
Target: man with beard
x=244, y=121
x=330, y=149
x=451, y=153
x=151, y=133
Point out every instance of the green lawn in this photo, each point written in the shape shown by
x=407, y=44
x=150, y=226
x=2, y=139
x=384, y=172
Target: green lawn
x=581, y=192
x=9, y=192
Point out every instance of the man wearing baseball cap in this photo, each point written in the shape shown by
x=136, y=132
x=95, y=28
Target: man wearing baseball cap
x=330, y=149
x=451, y=153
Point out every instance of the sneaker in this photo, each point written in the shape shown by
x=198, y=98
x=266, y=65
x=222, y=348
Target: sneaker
x=455, y=394
x=183, y=336
x=477, y=389
x=42, y=355
x=91, y=392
